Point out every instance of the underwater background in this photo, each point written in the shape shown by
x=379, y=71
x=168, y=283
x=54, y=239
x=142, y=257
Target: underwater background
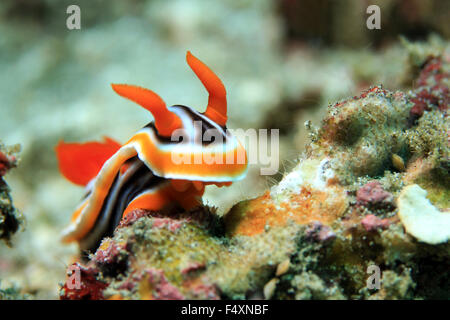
x=282, y=62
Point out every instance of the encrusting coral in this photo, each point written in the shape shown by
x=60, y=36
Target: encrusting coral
x=344, y=207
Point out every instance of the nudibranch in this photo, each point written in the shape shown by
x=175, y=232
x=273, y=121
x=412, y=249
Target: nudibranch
x=145, y=172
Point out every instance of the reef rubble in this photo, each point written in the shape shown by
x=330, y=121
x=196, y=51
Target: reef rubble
x=372, y=173
x=10, y=218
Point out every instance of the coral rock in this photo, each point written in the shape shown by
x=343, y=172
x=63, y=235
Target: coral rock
x=6, y=163
x=158, y=287
x=89, y=287
x=319, y=232
x=305, y=195
x=10, y=218
x=373, y=195
x=372, y=223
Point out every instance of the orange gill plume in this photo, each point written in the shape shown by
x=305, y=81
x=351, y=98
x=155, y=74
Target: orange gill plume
x=165, y=121
x=217, y=102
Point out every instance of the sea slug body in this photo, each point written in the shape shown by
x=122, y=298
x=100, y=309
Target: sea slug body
x=143, y=173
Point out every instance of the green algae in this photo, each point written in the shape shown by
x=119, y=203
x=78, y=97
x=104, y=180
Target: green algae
x=242, y=265
x=13, y=293
x=172, y=251
x=419, y=52
x=364, y=133
x=215, y=256
x=429, y=139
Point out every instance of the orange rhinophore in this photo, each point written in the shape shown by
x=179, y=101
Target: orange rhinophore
x=167, y=162
x=217, y=101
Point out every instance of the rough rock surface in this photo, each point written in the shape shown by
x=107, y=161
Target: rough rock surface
x=10, y=219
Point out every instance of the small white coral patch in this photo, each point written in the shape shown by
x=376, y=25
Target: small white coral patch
x=420, y=218
x=312, y=172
